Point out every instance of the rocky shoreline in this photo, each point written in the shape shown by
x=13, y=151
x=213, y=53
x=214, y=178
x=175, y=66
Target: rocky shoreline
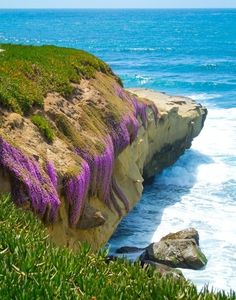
x=175, y=250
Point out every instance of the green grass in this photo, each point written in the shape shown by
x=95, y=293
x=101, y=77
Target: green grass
x=32, y=268
x=28, y=73
x=44, y=127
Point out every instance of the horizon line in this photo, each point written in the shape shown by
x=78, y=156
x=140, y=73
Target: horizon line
x=116, y=8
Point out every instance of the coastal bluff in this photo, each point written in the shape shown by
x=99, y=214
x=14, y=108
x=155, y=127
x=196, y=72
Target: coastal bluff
x=75, y=146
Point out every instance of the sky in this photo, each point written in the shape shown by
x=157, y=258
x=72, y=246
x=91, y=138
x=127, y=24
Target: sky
x=117, y=3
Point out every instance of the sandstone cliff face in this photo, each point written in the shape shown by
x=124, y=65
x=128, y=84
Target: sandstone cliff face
x=147, y=141
x=156, y=147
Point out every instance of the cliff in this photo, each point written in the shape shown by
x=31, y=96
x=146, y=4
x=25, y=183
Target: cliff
x=75, y=146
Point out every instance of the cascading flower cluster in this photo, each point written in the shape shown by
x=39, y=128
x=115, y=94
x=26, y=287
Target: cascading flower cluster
x=99, y=167
x=122, y=133
x=50, y=169
x=30, y=185
x=102, y=183
x=140, y=108
x=76, y=189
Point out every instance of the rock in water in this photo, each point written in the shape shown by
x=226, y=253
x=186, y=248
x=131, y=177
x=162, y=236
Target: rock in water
x=189, y=233
x=163, y=269
x=129, y=249
x=177, y=250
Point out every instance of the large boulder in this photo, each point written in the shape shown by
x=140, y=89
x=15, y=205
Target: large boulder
x=179, y=249
x=189, y=233
x=163, y=270
x=182, y=253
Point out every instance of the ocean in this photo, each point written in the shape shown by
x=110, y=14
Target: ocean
x=183, y=52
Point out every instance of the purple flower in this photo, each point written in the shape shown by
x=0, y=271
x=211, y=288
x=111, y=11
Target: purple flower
x=140, y=108
x=31, y=187
x=51, y=173
x=76, y=190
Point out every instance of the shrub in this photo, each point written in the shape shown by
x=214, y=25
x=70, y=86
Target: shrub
x=44, y=126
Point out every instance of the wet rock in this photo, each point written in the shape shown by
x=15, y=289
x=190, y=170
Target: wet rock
x=180, y=253
x=110, y=258
x=162, y=269
x=128, y=249
x=189, y=233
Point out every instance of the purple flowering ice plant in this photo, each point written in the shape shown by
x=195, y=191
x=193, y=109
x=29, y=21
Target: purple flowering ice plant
x=76, y=190
x=51, y=171
x=140, y=108
x=102, y=182
x=31, y=186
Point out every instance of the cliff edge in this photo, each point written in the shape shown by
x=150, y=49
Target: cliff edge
x=75, y=147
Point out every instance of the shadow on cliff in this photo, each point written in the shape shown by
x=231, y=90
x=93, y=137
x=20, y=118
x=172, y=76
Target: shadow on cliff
x=167, y=188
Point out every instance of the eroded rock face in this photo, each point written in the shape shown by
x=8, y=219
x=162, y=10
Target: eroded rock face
x=154, y=143
x=91, y=218
x=181, y=119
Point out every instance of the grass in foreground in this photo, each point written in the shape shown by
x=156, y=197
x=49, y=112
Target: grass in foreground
x=32, y=268
x=28, y=73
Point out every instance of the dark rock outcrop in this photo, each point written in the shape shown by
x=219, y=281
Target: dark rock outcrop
x=128, y=249
x=177, y=250
x=91, y=218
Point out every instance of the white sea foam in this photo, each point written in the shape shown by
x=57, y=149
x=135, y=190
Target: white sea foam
x=203, y=96
x=143, y=79
x=210, y=65
x=143, y=49
x=208, y=174
x=148, y=49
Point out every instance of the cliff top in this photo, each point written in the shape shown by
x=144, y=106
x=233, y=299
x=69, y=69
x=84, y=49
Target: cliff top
x=28, y=73
x=64, y=119
x=166, y=103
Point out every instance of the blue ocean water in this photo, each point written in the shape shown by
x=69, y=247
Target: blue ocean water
x=185, y=52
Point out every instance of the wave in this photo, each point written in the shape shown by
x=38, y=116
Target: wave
x=142, y=79
x=203, y=96
x=184, y=172
x=210, y=65
x=208, y=160
x=203, y=185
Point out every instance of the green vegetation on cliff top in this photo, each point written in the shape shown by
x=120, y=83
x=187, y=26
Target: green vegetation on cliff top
x=32, y=268
x=44, y=127
x=28, y=73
